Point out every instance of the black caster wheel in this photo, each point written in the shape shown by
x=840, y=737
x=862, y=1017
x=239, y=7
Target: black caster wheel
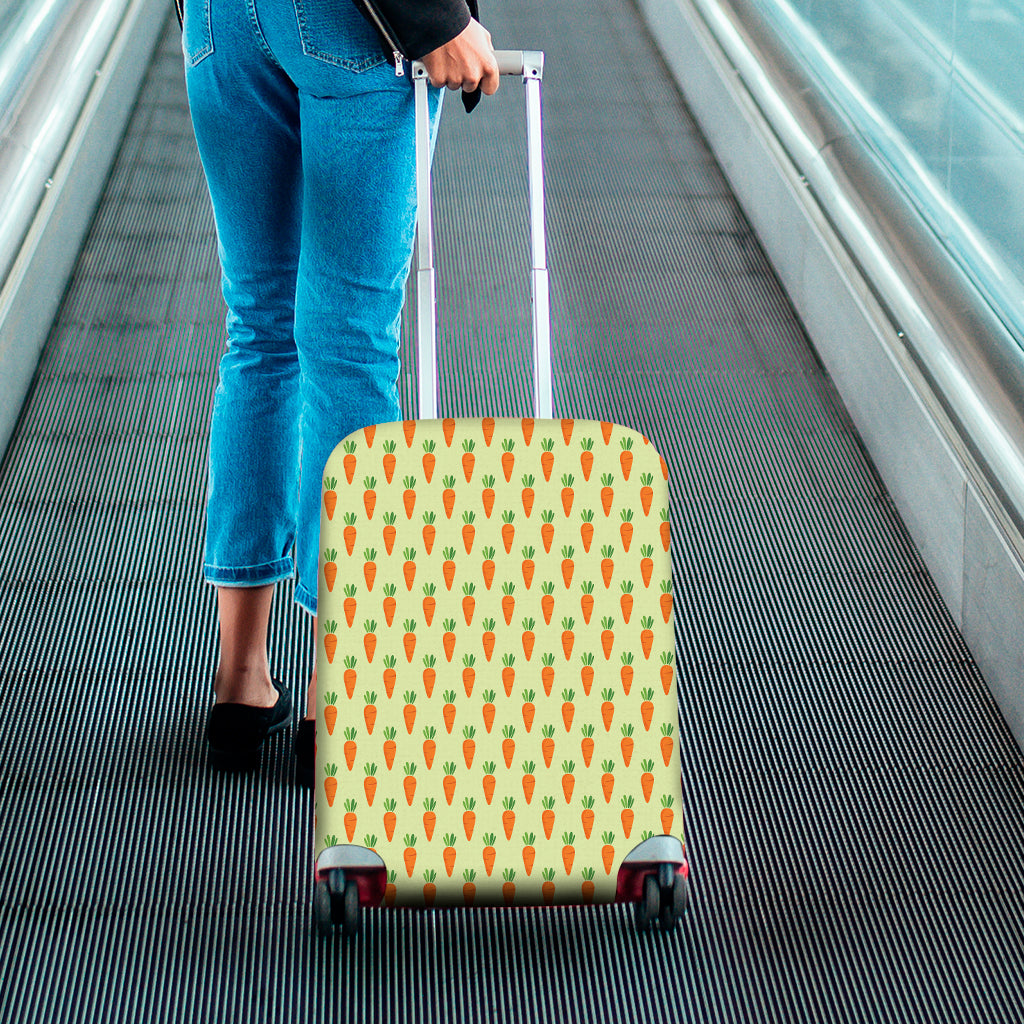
x=350, y=917
x=322, y=910
x=674, y=901
x=648, y=904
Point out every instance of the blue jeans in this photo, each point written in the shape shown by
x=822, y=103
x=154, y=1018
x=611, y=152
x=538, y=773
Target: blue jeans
x=306, y=137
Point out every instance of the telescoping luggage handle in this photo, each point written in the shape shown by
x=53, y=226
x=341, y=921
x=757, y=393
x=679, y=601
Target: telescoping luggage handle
x=530, y=65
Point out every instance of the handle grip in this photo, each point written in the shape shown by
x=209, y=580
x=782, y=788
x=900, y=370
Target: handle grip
x=525, y=63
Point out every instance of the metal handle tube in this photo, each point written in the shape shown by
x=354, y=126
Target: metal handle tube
x=529, y=64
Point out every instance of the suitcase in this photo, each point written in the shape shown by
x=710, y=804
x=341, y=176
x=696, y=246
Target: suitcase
x=496, y=709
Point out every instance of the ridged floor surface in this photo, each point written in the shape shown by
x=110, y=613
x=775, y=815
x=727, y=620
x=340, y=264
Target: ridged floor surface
x=855, y=804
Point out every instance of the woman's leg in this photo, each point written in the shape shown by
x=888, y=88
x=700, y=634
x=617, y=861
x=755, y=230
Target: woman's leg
x=245, y=115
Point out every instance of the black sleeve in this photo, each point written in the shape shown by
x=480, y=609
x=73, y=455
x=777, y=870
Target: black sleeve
x=425, y=24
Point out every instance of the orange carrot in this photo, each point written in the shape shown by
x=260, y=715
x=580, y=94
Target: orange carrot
x=429, y=459
x=666, y=600
x=489, y=781
x=547, y=531
x=668, y=744
x=487, y=568
x=588, y=888
x=665, y=529
x=429, y=675
x=548, y=890
x=349, y=533
x=330, y=641
x=607, y=565
x=370, y=712
x=607, y=708
x=647, y=708
x=626, y=601
x=389, y=604
x=468, y=893
x=389, y=675
x=529, y=852
x=350, y=676
x=349, y=462
x=410, y=854
x=547, y=819
x=626, y=746
x=370, y=783
x=646, y=494
x=390, y=746
x=627, y=815
x=664, y=467
x=390, y=819
x=409, y=429
x=508, y=817
x=528, y=495
x=448, y=428
x=448, y=640
x=429, y=746
x=646, y=635
x=448, y=783
x=409, y=785
x=487, y=496
x=488, y=710
x=330, y=570
x=529, y=709
x=508, y=532
x=666, y=671
x=529, y=637
x=587, y=744
x=508, y=745
x=626, y=674
x=468, y=603
x=487, y=426
x=547, y=746
x=667, y=814
x=469, y=817
x=449, y=858
x=409, y=711
x=468, y=531
x=626, y=457
x=587, y=672
x=626, y=529
x=351, y=749
x=330, y=502
x=409, y=640
x=608, y=853
x=448, y=711
x=468, y=458
x=607, y=780
x=409, y=496
x=587, y=533
x=568, y=851
x=568, y=637
x=568, y=780
x=369, y=496
x=331, y=783
x=489, y=853
x=607, y=637
x=528, y=566
x=567, y=426
x=547, y=673
x=488, y=638
x=547, y=602
x=647, y=779
x=448, y=567
x=528, y=425
x=568, y=708
x=508, y=605
x=448, y=496
x=646, y=565
x=429, y=531
x=587, y=602
x=529, y=780
x=586, y=462
x=606, y=431
x=547, y=457
x=607, y=493
x=508, y=460
x=568, y=494
x=469, y=745
x=349, y=605
x=587, y=817
x=468, y=673
x=389, y=460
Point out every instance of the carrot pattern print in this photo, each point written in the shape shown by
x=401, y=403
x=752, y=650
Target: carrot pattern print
x=330, y=496
x=515, y=558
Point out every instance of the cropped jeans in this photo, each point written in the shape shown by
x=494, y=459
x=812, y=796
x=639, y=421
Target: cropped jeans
x=306, y=136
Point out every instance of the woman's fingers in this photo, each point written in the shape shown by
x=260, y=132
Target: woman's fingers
x=466, y=62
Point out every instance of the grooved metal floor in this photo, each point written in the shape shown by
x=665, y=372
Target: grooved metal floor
x=855, y=803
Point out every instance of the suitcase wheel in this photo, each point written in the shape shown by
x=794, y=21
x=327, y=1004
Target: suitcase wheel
x=336, y=901
x=664, y=903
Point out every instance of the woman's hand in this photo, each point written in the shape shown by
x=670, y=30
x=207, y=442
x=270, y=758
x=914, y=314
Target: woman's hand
x=467, y=61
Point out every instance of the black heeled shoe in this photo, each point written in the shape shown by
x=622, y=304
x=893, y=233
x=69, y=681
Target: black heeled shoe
x=236, y=732
x=305, y=752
